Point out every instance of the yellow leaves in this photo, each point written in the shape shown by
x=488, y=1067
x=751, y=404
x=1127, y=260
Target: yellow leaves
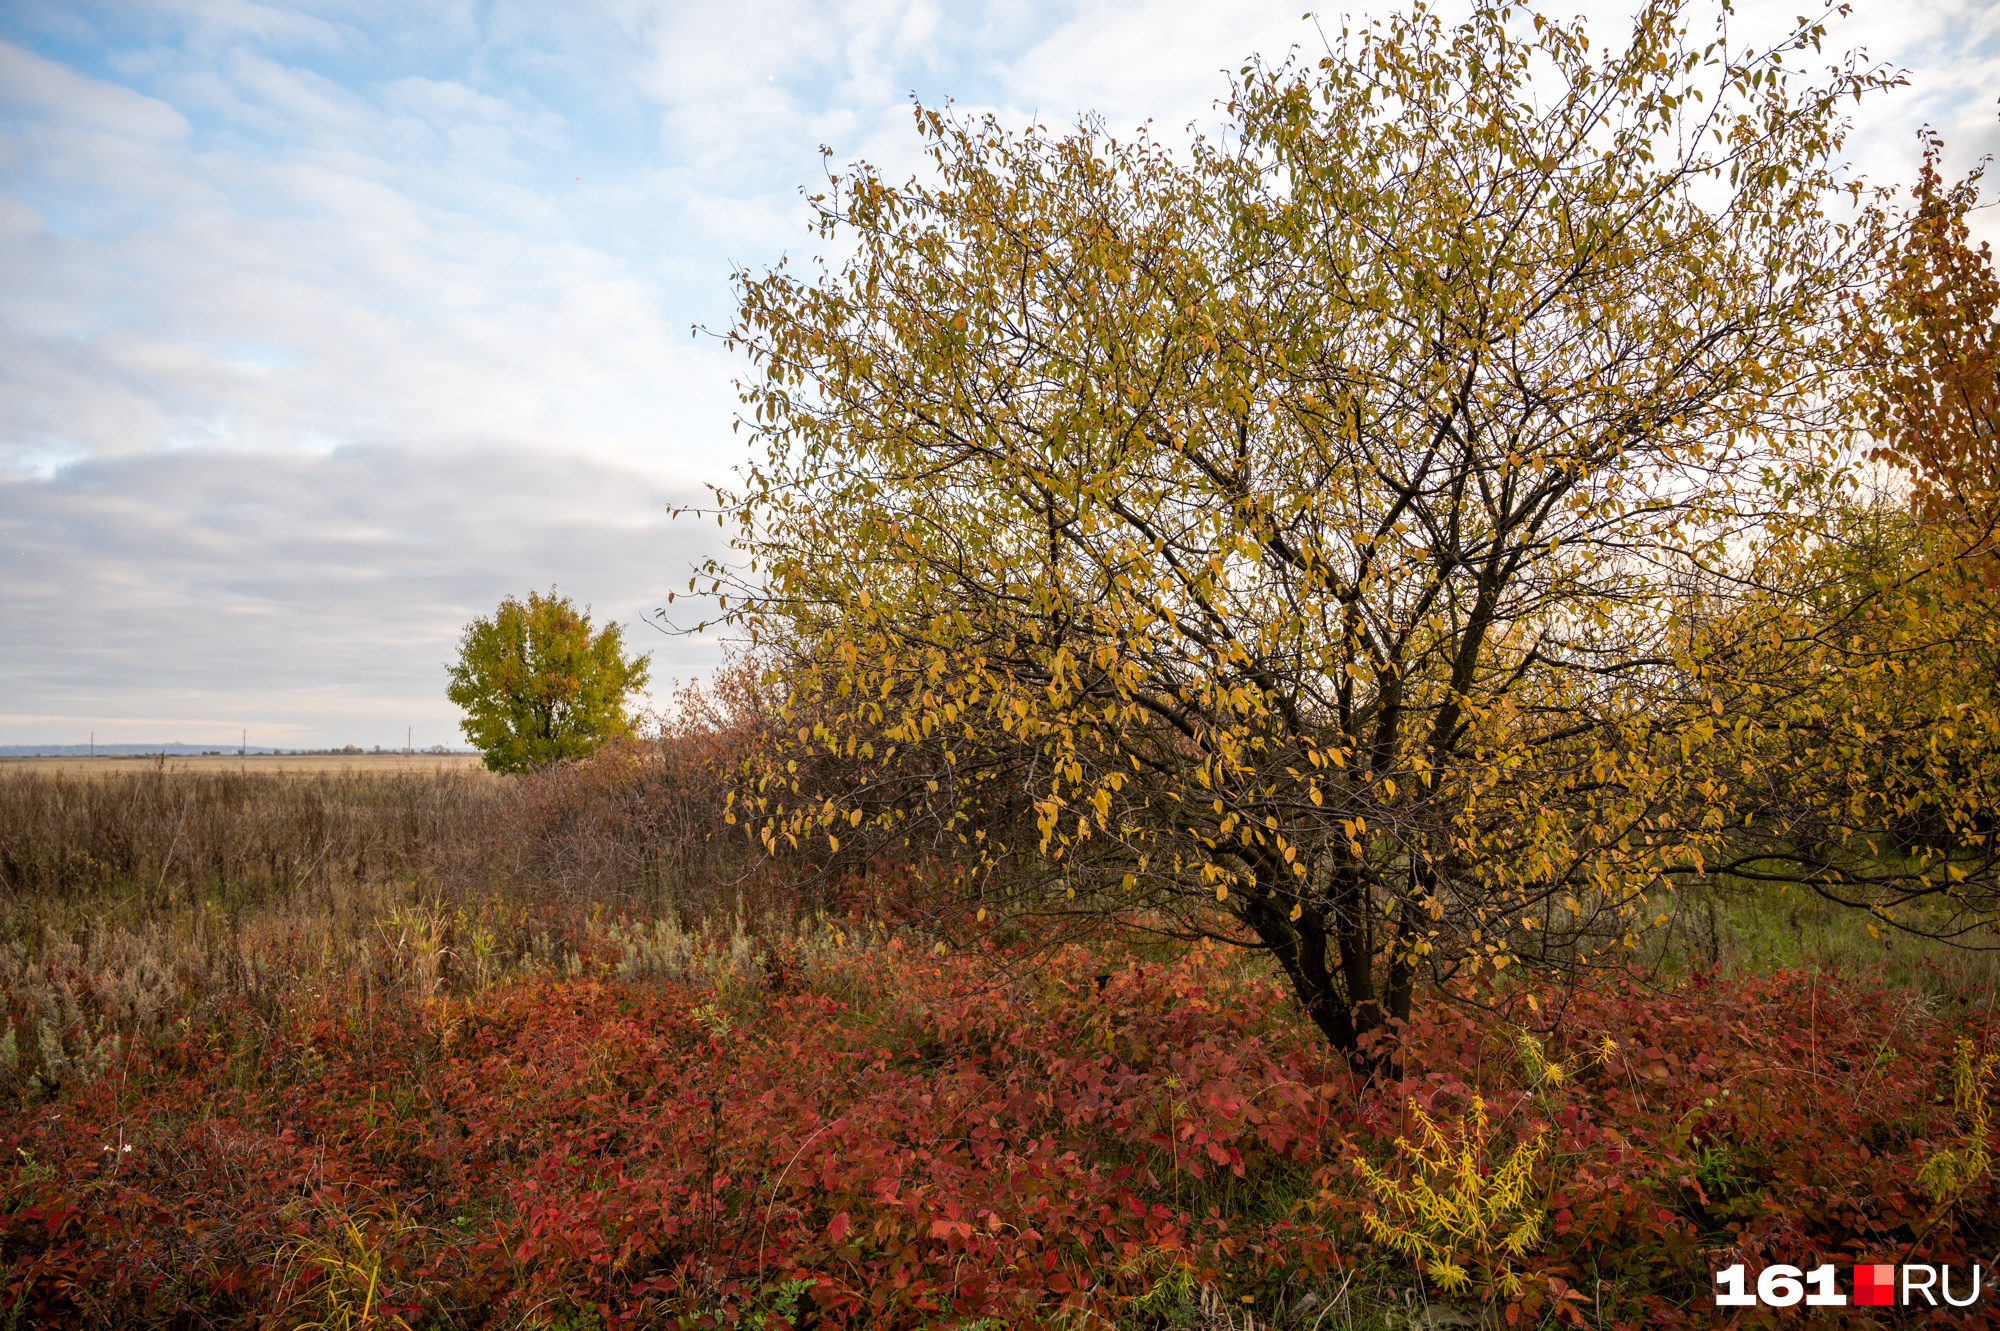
x=1222, y=891
x=1142, y=585
x=1457, y=1199
x=1298, y=910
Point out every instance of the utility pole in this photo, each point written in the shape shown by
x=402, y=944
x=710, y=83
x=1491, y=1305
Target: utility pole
x=93, y=743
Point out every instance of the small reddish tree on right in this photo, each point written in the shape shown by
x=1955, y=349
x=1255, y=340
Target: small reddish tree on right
x=1929, y=344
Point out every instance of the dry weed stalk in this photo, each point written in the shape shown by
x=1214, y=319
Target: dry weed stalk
x=1947, y=1174
x=1461, y=1208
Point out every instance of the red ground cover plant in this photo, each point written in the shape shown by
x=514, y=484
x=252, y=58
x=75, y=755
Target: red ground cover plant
x=881, y=1136
x=1776, y=1118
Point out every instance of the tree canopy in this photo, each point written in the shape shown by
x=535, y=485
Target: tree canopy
x=1354, y=534
x=1929, y=343
x=538, y=685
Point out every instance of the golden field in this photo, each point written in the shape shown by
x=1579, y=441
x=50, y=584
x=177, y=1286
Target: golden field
x=284, y=764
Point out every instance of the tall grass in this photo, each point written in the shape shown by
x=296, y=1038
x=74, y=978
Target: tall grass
x=143, y=900
x=138, y=846
x=631, y=827
x=1762, y=928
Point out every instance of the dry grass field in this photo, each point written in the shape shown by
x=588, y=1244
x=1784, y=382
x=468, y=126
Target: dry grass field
x=284, y=764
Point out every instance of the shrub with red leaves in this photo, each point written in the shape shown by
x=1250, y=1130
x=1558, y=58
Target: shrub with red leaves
x=891, y=1138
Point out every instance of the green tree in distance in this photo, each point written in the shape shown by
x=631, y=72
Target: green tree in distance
x=1310, y=533
x=538, y=685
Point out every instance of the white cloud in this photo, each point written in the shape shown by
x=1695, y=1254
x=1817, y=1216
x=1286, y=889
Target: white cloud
x=311, y=597
x=219, y=297
x=323, y=325
x=32, y=85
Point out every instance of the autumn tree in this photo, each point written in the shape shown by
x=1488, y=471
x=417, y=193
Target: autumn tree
x=1928, y=338
x=1870, y=771
x=538, y=684
x=1868, y=629
x=1301, y=537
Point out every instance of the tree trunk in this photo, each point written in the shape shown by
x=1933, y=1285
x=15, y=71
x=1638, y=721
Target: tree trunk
x=1328, y=959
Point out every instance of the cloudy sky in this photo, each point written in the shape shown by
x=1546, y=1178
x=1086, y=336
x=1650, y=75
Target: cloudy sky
x=325, y=325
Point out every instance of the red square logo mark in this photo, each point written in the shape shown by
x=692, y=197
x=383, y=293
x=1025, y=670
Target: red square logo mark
x=1875, y=1284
